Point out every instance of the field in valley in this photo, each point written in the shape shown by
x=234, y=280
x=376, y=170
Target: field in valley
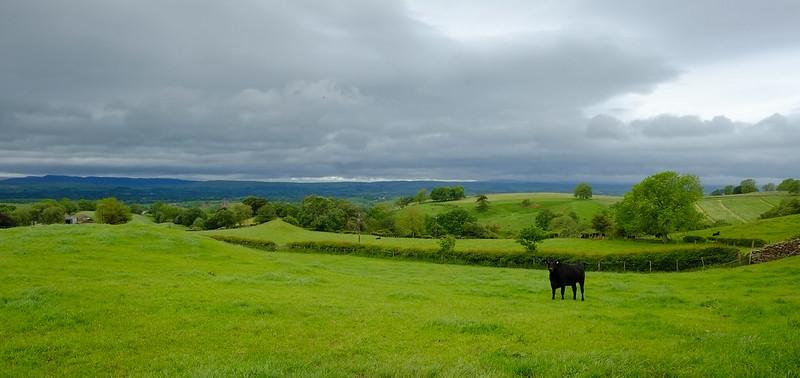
x=506, y=209
x=147, y=300
x=282, y=233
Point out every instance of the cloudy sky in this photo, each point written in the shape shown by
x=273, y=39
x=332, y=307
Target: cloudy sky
x=547, y=90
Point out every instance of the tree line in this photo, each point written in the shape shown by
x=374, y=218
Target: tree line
x=49, y=211
x=750, y=186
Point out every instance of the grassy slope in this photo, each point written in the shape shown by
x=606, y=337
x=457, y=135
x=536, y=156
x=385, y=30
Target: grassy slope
x=741, y=208
x=773, y=229
x=282, y=233
x=506, y=211
x=146, y=300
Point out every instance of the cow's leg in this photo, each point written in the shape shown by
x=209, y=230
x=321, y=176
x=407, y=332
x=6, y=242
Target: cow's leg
x=554, y=293
x=562, y=291
x=581, y=289
x=574, y=292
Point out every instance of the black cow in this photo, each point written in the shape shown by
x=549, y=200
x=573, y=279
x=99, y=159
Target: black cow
x=562, y=275
x=715, y=234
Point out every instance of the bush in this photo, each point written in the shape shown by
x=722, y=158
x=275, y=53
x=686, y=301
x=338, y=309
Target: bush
x=250, y=243
x=694, y=239
x=291, y=220
x=447, y=244
x=786, y=207
x=529, y=236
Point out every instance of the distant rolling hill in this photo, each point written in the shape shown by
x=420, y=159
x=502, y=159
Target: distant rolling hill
x=153, y=189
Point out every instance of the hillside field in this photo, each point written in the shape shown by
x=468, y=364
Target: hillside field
x=740, y=208
x=282, y=233
x=139, y=299
x=770, y=230
x=506, y=210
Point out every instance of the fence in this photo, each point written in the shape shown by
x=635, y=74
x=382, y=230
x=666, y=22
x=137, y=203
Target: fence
x=670, y=261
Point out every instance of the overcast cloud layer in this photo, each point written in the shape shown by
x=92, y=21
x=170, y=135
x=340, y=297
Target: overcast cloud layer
x=561, y=90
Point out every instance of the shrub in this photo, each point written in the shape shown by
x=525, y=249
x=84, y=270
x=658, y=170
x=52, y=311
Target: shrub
x=447, y=244
x=642, y=262
x=529, y=236
x=786, y=207
x=291, y=220
x=251, y=243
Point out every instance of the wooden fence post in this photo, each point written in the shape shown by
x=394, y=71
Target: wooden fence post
x=676, y=265
x=623, y=266
x=651, y=265
x=703, y=261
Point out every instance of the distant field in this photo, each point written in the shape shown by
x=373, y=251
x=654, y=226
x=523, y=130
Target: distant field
x=506, y=210
x=741, y=208
x=143, y=300
x=281, y=232
x=771, y=230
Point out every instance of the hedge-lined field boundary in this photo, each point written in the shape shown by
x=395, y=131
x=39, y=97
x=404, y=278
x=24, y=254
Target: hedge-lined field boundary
x=675, y=260
x=252, y=243
x=679, y=259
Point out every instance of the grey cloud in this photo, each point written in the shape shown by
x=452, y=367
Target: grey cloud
x=670, y=126
x=354, y=89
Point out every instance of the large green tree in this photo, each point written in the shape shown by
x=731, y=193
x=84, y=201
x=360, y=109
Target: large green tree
x=111, y=211
x=749, y=186
x=660, y=204
x=321, y=214
x=583, y=191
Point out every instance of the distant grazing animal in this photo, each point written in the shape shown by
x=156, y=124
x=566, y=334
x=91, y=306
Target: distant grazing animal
x=562, y=275
x=715, y=234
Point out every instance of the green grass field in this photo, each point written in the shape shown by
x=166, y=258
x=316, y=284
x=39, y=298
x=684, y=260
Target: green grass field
x=506, y=211
x=282, y=233
x=741, y=208
x=771, y=230
x=139, y=299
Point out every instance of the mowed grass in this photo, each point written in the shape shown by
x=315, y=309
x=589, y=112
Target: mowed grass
x=740, y=208
x=506, y=210
x=771, y=230
x=145, y=300
x=282, y=233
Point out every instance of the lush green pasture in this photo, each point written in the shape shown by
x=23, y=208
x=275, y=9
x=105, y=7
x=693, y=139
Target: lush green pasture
x=282, y=233
x=739, y=208
x=506, y=210
x=146, y=300
x=771, y=230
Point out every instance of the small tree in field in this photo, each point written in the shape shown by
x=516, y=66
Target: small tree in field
x=529, y=236
x=112, y=211
x=602, y=222
x=483, y=203
x=544, y=217
x=447, y=243
x=583, y=191
x=421, y=195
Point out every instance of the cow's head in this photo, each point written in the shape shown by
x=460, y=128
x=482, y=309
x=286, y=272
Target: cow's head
x=552, y=264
